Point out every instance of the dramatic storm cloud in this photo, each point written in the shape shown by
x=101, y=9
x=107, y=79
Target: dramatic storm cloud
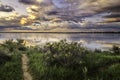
x=76, y=9
x=6, y=8
x=27, y=1
x=80, y=12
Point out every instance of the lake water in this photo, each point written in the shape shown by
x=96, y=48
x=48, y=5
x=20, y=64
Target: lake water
x=89, y=40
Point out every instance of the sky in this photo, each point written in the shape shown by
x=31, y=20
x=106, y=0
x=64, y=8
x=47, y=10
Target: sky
x=80, y=13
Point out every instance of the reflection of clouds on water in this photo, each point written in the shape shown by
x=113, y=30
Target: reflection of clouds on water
x=91, y=41
x=94, y=46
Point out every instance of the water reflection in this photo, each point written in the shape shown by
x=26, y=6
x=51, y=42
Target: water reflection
x=91, y=41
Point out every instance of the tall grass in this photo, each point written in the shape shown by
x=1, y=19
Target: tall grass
x=59, y=61
x=11, y=70
x=10, y=60
x=69, y=61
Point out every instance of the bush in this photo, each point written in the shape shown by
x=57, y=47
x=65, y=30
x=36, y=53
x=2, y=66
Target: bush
x=58, y=61
x=115, y=50
x=10, y=60
x=41, y=71
x=11, y=70
x=12, y=46
x=4, y=58
x=63, y=53
x=112, y=72
x=97, y=51
x=70, y=61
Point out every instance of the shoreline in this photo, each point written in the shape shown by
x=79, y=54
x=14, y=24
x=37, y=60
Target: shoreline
x=67, y=32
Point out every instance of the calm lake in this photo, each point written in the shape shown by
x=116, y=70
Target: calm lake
x=89, y=40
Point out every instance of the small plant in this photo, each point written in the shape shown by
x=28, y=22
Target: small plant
x=85, y=70
x=97, y=51
x=10, y=45
x=115, y=50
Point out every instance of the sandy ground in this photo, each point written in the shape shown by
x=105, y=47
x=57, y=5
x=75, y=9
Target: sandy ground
x=26, y=74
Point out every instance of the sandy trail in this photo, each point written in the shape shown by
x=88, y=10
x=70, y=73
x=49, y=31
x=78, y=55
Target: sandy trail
x=26, y=74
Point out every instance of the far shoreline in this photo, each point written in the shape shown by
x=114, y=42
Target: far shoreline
x=60, y=32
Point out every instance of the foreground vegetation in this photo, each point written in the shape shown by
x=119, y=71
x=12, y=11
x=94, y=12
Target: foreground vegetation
x=69, y=61
x=11, y=70
x=10, y=60
x=59, y=61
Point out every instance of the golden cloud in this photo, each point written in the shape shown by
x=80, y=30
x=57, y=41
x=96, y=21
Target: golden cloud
x=32, y=15
x=23, y=21
x=112, y=20
x=28, y=20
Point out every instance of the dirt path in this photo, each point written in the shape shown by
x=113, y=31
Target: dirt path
x=26, y=73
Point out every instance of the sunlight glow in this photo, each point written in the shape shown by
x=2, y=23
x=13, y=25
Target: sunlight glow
x=31, y=16
x=39, y=0
x=23, y=21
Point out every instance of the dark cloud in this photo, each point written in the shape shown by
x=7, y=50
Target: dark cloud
x=75, y=10
x=110, y=9
x=27, y=1
x=34, y=10
x=79, y=9
x=52, y=13
x=113, y=15
x=6, y=8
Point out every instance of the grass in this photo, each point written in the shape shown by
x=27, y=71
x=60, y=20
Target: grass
x=11, y=70
x=99, y=65
x=10, y=60
x=69, y=61
x=59, y=61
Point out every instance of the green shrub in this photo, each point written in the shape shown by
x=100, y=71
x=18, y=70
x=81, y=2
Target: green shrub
x=12, y=70
x=70, y=61
x=97, y=51
x=58, y=61
x=115, y=50
x=12, y=46
x=112, y=72
x=10, y=60
x=41, y=71
x=4, y=58
x=63, y=53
